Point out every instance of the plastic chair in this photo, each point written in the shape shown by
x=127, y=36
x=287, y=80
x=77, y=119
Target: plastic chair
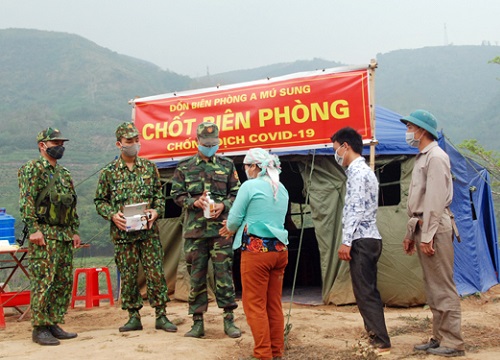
x=2, y=317
x=92, y=295
x=13, y=299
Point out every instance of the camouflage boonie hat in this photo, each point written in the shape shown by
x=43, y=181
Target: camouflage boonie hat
x=208, y=134
x=50, y=134
x=126, y=130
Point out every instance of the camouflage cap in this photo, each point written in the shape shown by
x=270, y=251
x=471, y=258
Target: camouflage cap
x=208, y=134
x=50, y=134
x=126, y=130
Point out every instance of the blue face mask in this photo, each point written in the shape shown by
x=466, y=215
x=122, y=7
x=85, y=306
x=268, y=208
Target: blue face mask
x=208, y=151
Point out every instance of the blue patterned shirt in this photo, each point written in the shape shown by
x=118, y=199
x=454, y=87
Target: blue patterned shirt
x=361, y=203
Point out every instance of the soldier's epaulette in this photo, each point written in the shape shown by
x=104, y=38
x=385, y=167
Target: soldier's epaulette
x=145, y=162
x=224, y=159
x=184, y=160
x=109, y=166
x=65, y=169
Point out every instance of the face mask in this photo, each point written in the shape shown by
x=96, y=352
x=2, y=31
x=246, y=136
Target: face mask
x=131, y=150
x=339, y=159
x=208, y=151
x=411, y=141
x=55, y=152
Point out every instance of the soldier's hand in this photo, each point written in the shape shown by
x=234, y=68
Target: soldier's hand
x=218, y=209
x=76, y=241
x=152, y=216
x=37, y=238
x=120, y=221
x=409, y=246
x=202, y=201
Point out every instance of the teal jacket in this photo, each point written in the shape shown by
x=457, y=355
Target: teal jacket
x=256, y=208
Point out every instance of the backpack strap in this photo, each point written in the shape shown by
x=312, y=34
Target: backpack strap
x=46, y=190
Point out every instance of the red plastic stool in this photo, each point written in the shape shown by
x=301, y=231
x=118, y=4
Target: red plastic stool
x=2, y=317
x=92, y=295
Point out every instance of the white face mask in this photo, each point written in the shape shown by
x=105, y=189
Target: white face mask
x=411, y=141
x=339, y=159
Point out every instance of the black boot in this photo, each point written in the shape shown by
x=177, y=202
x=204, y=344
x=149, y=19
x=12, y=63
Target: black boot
x=42, y=335
x=59, y=333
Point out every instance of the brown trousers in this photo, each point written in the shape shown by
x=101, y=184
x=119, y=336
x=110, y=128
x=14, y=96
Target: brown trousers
x=440, y=289
x=262, y=282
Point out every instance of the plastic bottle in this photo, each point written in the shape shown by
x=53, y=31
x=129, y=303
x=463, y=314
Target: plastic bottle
x=207, y=211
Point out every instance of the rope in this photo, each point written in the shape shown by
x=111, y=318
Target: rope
x=288, y=325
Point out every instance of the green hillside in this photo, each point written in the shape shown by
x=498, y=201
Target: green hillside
x=66, y=81
x=456, y=83
x=63, y=80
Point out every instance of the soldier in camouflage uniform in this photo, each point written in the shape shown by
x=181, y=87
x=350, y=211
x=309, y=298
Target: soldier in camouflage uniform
x=51, y=239
x=193, y=178
x=129, y=180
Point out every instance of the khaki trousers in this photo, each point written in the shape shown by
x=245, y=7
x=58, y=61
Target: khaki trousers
x=441, y=292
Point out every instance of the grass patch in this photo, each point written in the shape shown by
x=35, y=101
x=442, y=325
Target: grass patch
x=413, y=324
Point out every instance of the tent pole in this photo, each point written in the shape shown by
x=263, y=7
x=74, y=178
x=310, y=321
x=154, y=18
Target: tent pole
x=288, y=326
x=373, y=142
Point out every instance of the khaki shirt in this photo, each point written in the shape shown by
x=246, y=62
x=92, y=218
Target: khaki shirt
x=431, y=191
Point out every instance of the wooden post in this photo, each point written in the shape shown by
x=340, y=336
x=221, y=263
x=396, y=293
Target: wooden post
x=373, y=142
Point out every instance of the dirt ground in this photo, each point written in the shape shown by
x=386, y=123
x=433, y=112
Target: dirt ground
x=317, y=332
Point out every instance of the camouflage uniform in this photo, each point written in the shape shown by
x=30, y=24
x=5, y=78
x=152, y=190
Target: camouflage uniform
x=119, y=186
x=51, y=266
x=218, y=176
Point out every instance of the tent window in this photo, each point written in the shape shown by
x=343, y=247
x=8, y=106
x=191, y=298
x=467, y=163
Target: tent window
x=389, y=177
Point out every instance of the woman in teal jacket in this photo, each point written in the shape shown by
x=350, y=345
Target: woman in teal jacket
x=258, y=216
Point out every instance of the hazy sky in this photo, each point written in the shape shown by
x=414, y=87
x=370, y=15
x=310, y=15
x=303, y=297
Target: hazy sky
x=189, y=36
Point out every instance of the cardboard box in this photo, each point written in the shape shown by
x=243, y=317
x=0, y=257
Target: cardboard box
x=137, y=222
x=136, y=217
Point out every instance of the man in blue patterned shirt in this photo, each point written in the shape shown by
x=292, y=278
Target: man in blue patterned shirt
x=361, y=241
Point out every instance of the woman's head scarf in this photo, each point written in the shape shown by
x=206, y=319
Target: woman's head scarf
x=270, y=165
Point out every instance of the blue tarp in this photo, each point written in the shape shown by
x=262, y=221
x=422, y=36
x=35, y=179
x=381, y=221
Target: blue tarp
x=476, y=257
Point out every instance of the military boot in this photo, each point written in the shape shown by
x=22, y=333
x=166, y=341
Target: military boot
x=162, y=323
x=198, y=329
x=59, y=333
x=42, y=335
x=229, y=328
x=133, y=323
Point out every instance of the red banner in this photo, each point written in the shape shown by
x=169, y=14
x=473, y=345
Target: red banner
x=299, y=111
